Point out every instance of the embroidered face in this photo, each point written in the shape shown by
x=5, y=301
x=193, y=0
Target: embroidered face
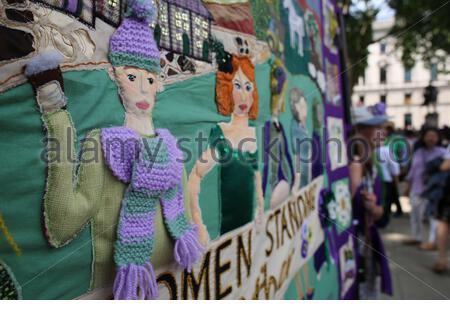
x=236, y=91
x=299, y=105
x=137, y=89
x=242, y=94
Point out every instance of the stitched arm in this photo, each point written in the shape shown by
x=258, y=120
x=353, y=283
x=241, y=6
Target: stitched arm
x=203, y=166
x=259, y=193
x=72, y=195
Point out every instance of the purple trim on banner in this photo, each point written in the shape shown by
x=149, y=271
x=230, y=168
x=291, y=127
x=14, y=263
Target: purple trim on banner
x=72, y=5
x=336, y=240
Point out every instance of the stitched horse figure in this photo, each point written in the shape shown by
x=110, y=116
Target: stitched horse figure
x=296, y=26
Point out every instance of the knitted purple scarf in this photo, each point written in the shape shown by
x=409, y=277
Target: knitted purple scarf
x=153, y=169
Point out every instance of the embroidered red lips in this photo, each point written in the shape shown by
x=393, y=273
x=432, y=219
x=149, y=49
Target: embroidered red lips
x=143, y=105
x=243, y=107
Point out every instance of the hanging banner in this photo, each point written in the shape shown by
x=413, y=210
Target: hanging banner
x=257, y=261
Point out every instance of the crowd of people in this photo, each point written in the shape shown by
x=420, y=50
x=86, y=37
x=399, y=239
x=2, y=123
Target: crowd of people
x=426, y=169
x=385, y=165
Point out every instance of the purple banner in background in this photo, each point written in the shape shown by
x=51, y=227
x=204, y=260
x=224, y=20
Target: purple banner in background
x=334, y=107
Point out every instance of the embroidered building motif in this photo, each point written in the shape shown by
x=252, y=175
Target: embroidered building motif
x=83, y=10
x=110, y=11
x=185, y=27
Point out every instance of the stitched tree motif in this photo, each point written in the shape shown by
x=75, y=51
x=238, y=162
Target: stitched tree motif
x=8, y=236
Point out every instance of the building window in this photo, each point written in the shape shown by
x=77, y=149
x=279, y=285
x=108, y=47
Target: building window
x=383, y=47
x=361, y=100
x=383, y=98
x=434, y=72
x=362, y=79
x=408, y=99
x=383, y=75
x=408, y=120
x=408, y=75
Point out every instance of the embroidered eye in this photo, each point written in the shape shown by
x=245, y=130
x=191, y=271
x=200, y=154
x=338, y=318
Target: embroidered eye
x=237, y=85
x=131, y=77
x=248, y=87
x=151, y=80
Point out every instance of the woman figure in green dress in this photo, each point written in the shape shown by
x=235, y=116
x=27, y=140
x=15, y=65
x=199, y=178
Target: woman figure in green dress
x=233, y=146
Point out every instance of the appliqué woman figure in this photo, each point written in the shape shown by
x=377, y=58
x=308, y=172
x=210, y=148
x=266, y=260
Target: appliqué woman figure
x=301, y=139
x=148, y=160
x=234, y=145
x=145, y=165
x=278, y=176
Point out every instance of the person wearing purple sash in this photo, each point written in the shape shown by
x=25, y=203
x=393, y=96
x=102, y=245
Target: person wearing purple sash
x=366, y=189
x=428, y=151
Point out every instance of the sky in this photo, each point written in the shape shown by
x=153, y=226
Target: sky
x=385, y=11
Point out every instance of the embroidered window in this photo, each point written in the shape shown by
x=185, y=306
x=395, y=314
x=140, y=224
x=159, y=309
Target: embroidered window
x=83, y=10
x=110, y=11
x=185, y=28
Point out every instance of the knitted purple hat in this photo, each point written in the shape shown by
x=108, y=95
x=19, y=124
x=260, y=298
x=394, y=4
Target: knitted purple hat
x=133, y=43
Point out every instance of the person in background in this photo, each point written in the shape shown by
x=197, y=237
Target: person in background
x=398, y=148
x=428, y=150
x=443, y=218
x=411, y=139
x=390, y=172
x=367, y=205
x=445, y=133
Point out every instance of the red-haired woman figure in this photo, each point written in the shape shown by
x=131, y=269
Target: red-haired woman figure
x=233, y=146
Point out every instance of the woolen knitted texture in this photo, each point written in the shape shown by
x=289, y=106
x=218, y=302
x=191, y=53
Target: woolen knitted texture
x=153, y=169
x=133, y=43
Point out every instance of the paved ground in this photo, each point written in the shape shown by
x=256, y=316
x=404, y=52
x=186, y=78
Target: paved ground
x=411, y=273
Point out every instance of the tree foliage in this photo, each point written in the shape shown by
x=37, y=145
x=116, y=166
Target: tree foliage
x=359, y=16
x=422, y=29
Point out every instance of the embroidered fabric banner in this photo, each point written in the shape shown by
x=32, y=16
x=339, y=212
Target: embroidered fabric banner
x=256, y=261
x=277, y=63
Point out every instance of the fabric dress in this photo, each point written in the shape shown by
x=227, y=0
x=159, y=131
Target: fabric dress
x=280, y=167
x=237, y=182
x=301, y=147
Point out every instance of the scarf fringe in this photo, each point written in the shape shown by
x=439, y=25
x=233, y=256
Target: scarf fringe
x=188, y=249
x=135, y=282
